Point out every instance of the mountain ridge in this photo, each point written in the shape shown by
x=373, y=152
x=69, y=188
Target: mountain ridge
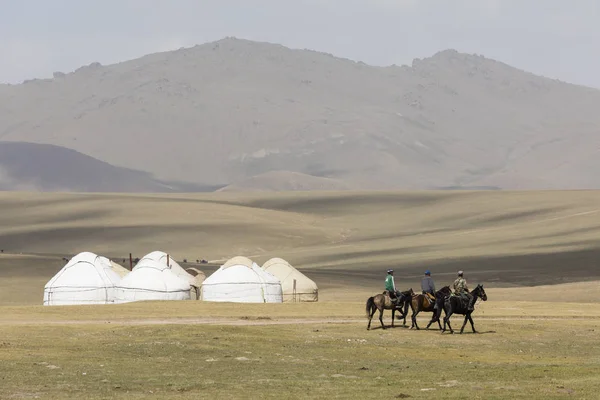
x=230, y=110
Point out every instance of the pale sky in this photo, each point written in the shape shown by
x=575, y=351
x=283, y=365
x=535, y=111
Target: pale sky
x=555, y=38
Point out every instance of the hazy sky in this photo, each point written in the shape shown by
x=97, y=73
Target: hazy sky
x=555, y=38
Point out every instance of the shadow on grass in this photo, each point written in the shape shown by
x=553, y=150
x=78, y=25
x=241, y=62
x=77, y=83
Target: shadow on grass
x=389, y=327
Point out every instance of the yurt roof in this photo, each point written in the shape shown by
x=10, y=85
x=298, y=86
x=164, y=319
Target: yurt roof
x=161, y=257
x=275, y=260
x=120, y=270
x=86, y=269
x=152, y=275
x=241, y=273
x=238, y=260
x=286, y=273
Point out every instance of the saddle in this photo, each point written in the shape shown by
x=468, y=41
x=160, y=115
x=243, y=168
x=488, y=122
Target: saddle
x=428, y=300
x=464, y=299
x=394, y=300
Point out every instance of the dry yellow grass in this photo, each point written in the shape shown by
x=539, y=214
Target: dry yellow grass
x=321, y=350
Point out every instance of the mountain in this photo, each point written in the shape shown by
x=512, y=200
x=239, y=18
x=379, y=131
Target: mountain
x=223, y=112
x=49, y=168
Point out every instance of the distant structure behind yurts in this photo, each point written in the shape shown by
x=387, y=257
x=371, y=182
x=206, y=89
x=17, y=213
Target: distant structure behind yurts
x=86, y=279
x=199, y=278
x=295, y=285
x=151, y=280
x=240, y=280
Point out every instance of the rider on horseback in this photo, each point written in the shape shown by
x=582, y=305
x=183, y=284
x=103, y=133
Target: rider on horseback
x=461, y=289
x=428, y=287
x=390, y=286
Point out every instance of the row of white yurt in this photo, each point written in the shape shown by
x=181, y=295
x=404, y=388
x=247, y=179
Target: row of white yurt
x=92, y=279
x=242, y=280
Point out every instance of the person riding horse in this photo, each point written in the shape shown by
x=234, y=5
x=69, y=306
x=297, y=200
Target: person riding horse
x=390, y=286
x=428, y=287
x=462, y=290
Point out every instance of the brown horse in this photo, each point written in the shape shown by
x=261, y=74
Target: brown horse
x=423, y=302
x=384, y=302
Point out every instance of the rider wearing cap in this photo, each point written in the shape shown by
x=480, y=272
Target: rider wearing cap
x=428, y=287
x=461, y=289
x=390, y=286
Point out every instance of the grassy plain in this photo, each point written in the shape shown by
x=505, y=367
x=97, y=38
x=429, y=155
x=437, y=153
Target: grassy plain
x=536, y=252
x=256, y=354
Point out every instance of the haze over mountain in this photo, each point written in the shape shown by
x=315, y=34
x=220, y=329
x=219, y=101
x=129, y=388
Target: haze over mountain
x=49, y=168
x=222, y=113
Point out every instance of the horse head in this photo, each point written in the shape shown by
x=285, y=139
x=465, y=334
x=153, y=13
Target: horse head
x=480, y=292
x=443, y=293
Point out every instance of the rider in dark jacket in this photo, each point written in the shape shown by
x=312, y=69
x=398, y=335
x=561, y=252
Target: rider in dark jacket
x=427, y=286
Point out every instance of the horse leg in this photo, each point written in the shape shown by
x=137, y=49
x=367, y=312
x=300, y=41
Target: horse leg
x=472, y=325
x=381, y=318
x=371, y=317
x=414, y=318
x=434, y=318
x=447, y=321
x=393, y=315
x=405, y=313
x=431, y=322
x=465, y=322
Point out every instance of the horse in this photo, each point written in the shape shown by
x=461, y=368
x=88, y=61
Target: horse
x=384, y=302
x=455, y=305
x=422, y=302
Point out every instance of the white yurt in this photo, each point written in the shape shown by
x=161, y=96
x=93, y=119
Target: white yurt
x=151, y=280
x=295, y=285
x=240, y=280
x=165, y=259
x=85, y=279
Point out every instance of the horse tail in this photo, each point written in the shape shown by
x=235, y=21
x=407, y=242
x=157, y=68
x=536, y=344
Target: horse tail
x=370, y=305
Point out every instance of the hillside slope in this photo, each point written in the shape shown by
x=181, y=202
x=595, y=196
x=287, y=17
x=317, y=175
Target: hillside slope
x=48, y=168
x=343, y=238
x=285, y=181
x=226, y=111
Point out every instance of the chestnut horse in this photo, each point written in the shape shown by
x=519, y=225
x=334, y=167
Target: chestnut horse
x=422, y=302
x=384, y=302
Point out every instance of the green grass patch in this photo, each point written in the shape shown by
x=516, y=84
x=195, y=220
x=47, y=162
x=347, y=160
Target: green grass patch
x=510, y=359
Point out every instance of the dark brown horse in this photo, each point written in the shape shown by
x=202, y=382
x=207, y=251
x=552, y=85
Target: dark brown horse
x=422, y=302
x=455, y=305
x=384, y=302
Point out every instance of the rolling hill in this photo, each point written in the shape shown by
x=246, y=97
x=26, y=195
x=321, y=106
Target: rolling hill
x=223, y=112
x=49, y=168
